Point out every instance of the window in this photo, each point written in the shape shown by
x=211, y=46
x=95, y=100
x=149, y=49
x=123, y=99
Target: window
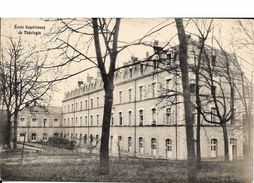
x=72, y=109
x=85, y=138
x=214, y=144
x=22, y=121
x=68, y=108
x=169, y=146
x=91, y=120
x=130, y=92
x=86, y=105
x=141, y=144
x=141, y=117
x=192, y=87
x=153, y=116
x=33, y=137
x=45, y=136
x=120, y=141
x=76, y=121
x=68, y=122
x=97, y=139
x=56, y=134
x=22, y=136
x=64, y=122
x=213, y=114
x=80, y=120
x=86, y=120
x=44, y=122
x=64, y=109
x=98, y=120
x=76, y=108
x=91, y=103
x=213, y=60
x=56, y=120
x=72, y=122
x=140, y=92
x=80, y=137
x=120, y=96
x=129, y=144
x=112, y=119
x=120, y=119
x=141, y=68
x=167, y=83
x=81, y=106
x=129, y=116
x=98, y=102
x=154, y=146
x=168, y=113
x=213, y=90
x=154, y=64
x=153, y=89
x=130, y=71
x=233, y=141
x=34, y=120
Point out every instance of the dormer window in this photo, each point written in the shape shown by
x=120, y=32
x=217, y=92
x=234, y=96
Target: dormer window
x=130, y=71
x=213, y=61
x=141, y=68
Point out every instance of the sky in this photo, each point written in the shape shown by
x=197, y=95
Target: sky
x=130, y=30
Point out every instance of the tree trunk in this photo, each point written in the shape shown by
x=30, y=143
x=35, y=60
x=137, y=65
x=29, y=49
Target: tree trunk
x=225, y=136
x=187, y=100
x=198, y=121
x=15, y=127
x=8, y=131
x=104, y=151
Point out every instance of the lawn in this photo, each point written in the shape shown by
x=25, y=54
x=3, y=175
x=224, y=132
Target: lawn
x=72, y=166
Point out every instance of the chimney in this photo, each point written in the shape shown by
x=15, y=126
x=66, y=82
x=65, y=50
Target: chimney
x=156, y=43
x=89, y=78
x=134, y=59
x=147, y=54
x=80, y=83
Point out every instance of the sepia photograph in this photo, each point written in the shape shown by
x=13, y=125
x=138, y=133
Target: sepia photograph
x=126, y=100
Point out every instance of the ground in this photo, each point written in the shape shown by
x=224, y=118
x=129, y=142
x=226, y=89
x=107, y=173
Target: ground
x=64, y=165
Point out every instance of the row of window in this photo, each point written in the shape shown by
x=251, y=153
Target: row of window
x=70, y=121
x=34, y=136
x=214, y=146
x=34, y=120
x=153, y=143
x=79, y=106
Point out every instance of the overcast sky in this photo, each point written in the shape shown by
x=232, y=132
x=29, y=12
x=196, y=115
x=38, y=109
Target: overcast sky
x=130, y=30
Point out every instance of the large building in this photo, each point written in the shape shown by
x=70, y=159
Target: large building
x=37, y=123
x=147, y=118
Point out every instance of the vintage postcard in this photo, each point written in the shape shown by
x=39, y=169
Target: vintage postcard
x=126, y=100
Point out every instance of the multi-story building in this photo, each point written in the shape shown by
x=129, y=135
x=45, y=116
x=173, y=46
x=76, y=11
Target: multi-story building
x=37, y=123
x=145, y=121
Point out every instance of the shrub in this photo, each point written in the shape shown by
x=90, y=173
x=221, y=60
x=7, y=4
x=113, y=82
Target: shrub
x=61, y=143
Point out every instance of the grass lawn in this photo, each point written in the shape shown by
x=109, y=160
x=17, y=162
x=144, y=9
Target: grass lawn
x=74, y=167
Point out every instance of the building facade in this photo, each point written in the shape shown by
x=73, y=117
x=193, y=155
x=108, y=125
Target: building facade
x=147, y=117
x=37, y=123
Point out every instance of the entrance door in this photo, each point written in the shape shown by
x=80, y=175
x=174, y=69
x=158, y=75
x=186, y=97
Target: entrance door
x=233, y=149
x=169, y=149
x=214, y=143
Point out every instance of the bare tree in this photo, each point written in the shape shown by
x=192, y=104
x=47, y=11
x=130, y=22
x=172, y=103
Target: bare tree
x=102, y=36
x=203, y=33
x=219, y=78
x=21, y=83
x=245, y=42
x=187, y=99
